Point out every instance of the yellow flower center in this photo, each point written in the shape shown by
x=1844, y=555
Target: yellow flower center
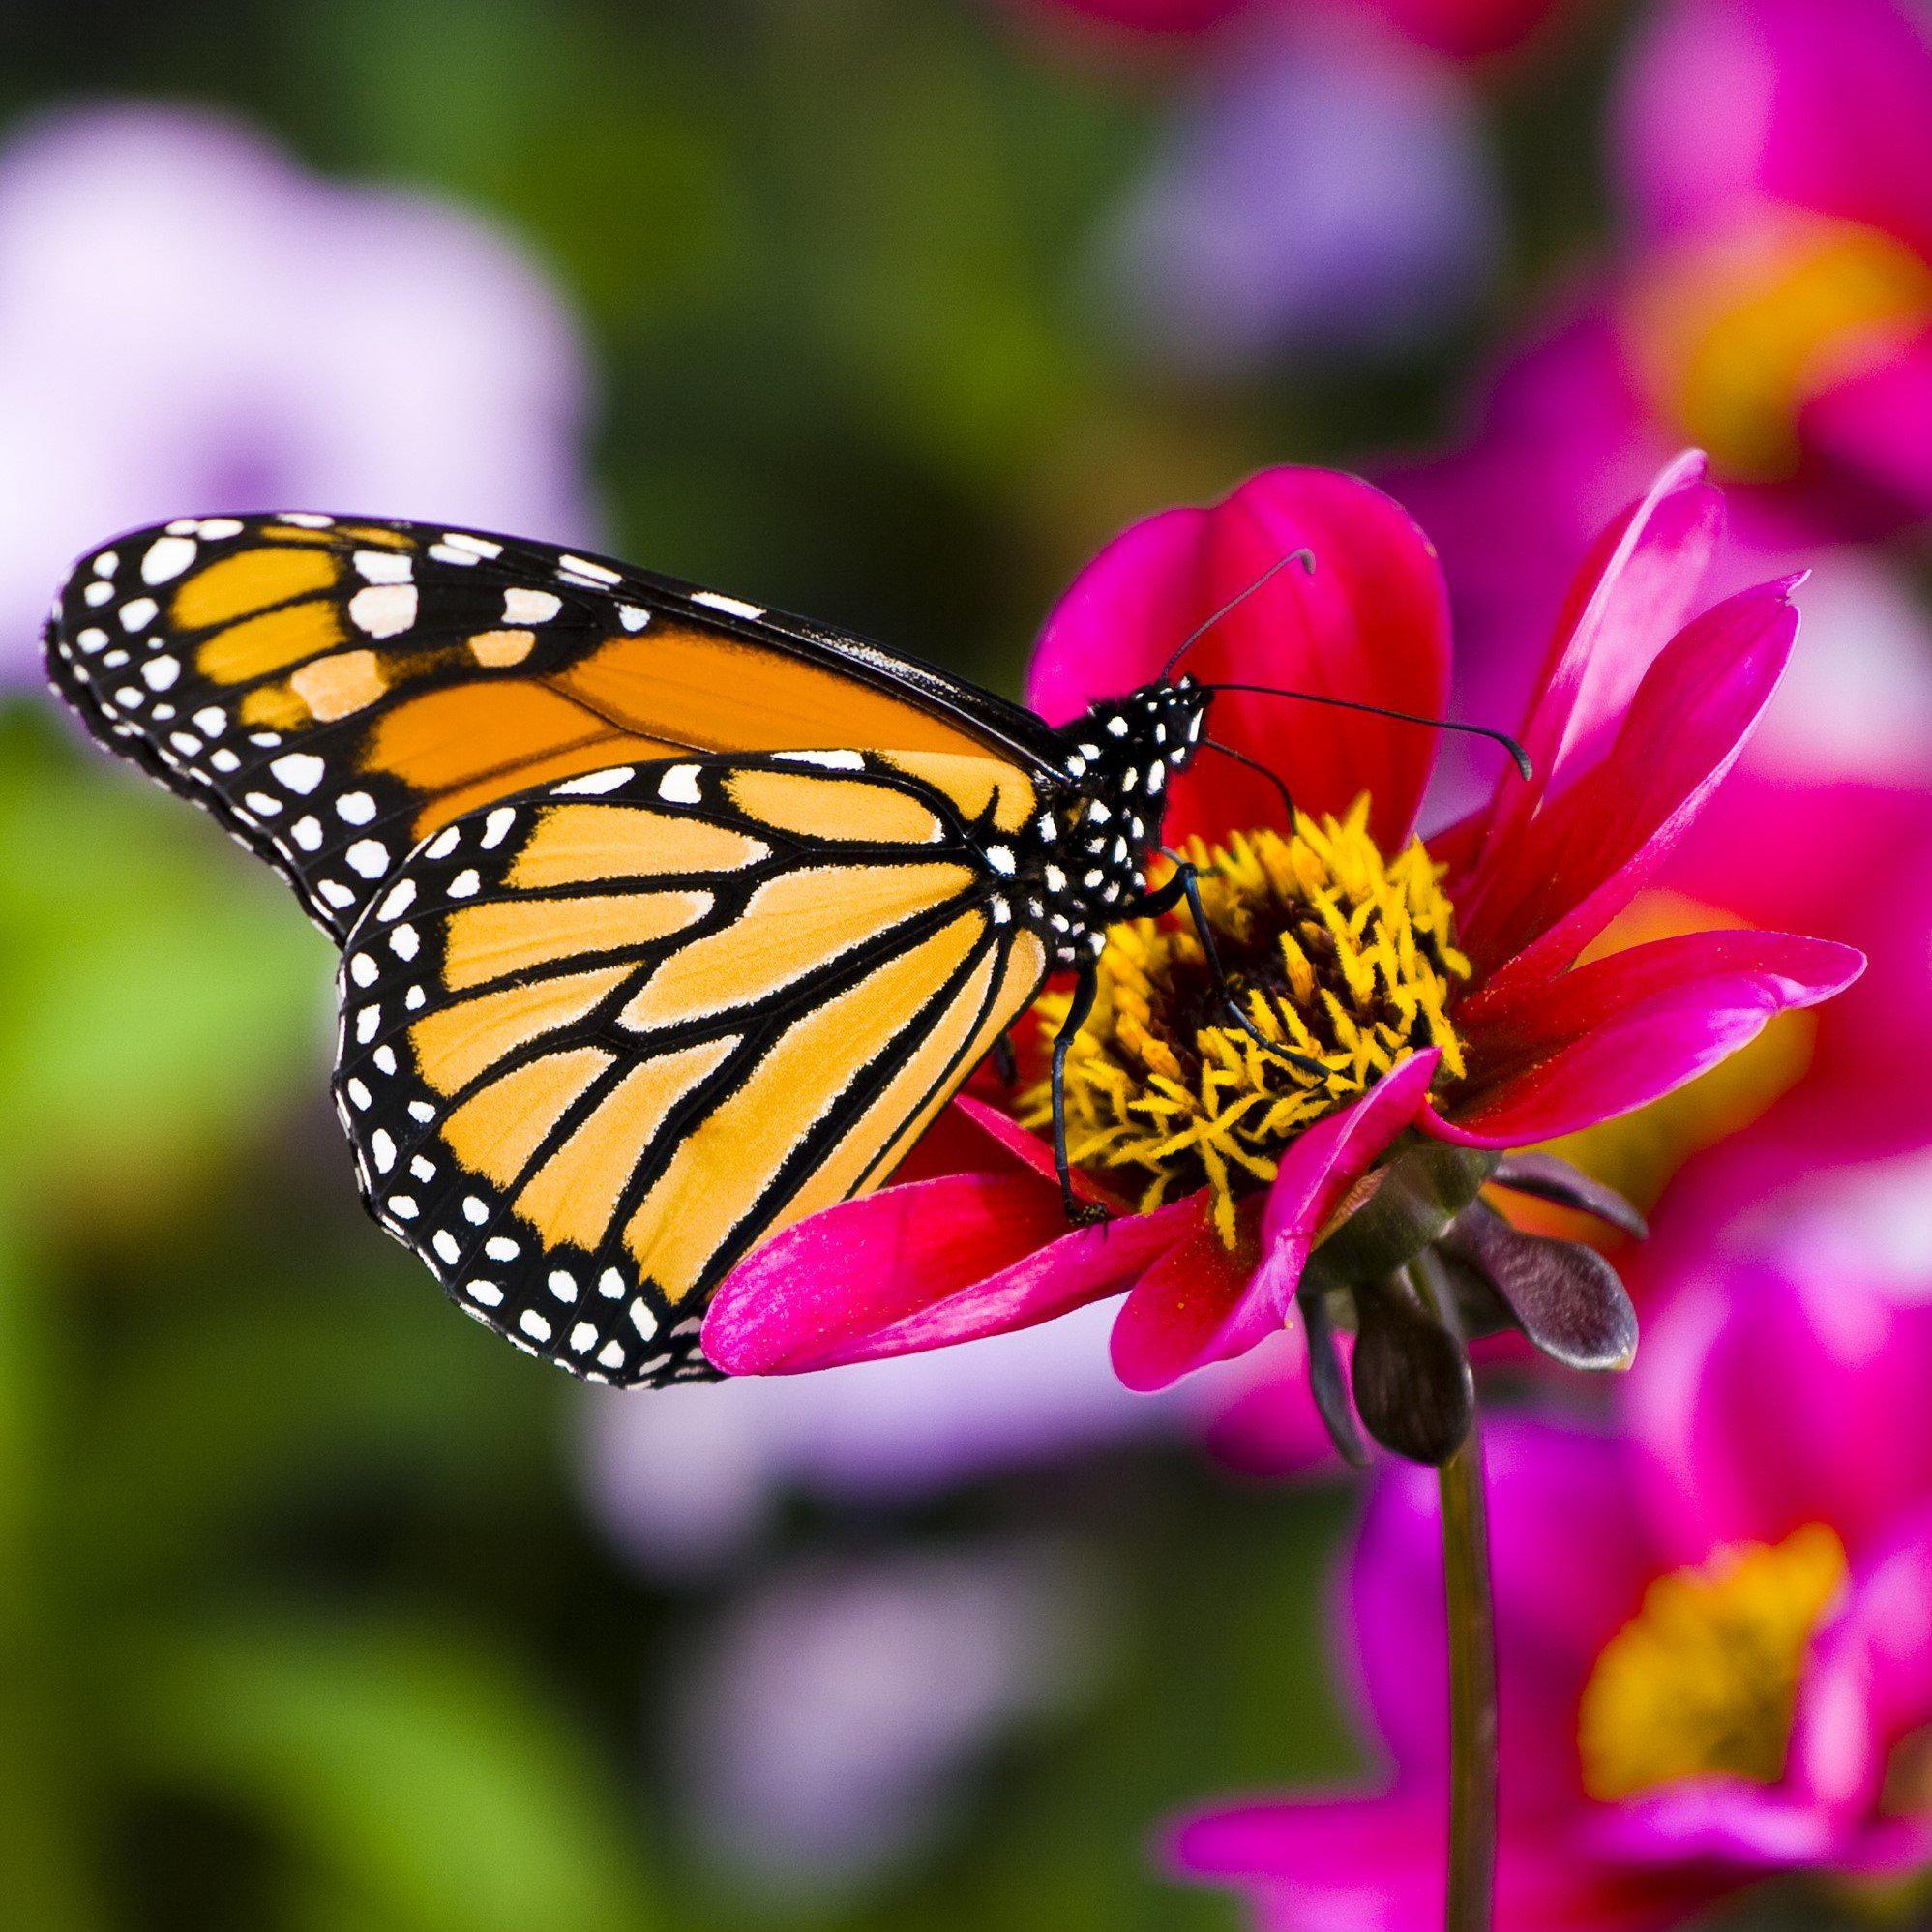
x=1703, y=1681
x=1332, y=951
x=1736, y=334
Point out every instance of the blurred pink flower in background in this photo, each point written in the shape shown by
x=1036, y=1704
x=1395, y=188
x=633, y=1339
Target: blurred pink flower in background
x=1642, y=708
x=1772, y=300
x=1331, y=194
x=1715, y=1625
x=830, y=1719
x=188, y=320
x=1465, y=28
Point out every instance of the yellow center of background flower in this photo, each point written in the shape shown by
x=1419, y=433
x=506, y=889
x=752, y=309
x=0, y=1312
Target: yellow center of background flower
x=1737, y=333
x=1332, y=951
x=1703, y=1681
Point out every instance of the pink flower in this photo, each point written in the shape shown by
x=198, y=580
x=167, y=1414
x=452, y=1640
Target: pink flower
x=1714, y=1629
x=1477, y=1031
x=1465, y=28
x=1771, y=301
x=1816, y=1099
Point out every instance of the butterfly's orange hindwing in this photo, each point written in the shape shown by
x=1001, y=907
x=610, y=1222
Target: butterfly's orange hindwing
x=602, y=1037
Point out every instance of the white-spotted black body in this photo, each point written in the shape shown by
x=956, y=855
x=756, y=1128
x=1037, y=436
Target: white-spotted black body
x=1081, y=864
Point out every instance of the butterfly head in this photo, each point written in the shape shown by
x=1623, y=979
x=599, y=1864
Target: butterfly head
x=1086, y=853
x=1129, y=747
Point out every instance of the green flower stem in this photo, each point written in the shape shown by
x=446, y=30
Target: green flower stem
x=1473, y=1777
x=1472, y=1757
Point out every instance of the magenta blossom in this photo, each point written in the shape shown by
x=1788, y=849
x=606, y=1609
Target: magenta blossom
x=1812, y=1102
x=1714, y=1628
x=1465, y=28
x=1441, y=985
x=1771, y=299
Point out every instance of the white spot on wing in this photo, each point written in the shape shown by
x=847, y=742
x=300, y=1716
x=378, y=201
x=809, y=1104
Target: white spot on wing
x=299, y=771
x=831, y=761
x=734, y=607
x=523, y=605
x=383, y=610
x=680, y=785
x=594, y=781
x=166, y=557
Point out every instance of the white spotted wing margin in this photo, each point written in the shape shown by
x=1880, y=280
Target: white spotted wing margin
x=602, y=1038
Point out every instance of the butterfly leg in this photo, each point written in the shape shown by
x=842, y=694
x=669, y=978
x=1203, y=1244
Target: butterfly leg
x=1082, y=1213
x=1185, y=884
x=1005, y=1062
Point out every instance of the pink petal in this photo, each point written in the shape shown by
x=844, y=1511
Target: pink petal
x=1467, y=29
x=1852, y=861
x=1331, y=1863
x=1199, y=1304
x=1157, y=16
x=1513, y=510
x=1875, y=426
x=1349, y=1864
x=1868, y=1683
x=1784, y=71
x=1610, y=1036
x=1268, y=1425
x=1546, y=888
x=1370, y=624
x=1782, y=1387
x=1717, y=1822
x=1022, y=1145
x=1631, y=597
x=918, y=1266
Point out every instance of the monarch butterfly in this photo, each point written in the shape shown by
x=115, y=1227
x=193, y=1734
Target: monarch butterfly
x=664, y=919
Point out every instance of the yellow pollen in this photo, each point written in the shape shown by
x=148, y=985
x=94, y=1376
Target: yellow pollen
x=1332, y=951
x=1735, y=335
x=1702, y=1681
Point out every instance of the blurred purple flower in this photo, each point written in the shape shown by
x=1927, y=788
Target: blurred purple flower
x=831, y=1720
x=1715, y=1627
x=685, y=1480
x=1333, y=193
x=190, y=321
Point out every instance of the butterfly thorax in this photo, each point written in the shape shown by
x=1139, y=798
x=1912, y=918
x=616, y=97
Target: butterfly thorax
x=1082, y=862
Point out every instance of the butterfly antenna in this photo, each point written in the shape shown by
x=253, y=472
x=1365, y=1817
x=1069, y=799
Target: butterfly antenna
x=1502, y=738
x=1305, y=558
x=1255, y=765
